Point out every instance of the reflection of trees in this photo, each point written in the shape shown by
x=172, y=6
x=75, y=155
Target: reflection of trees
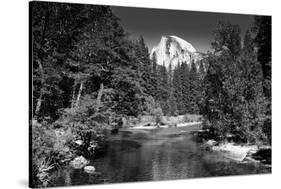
x=67, y=181
x=178, y=161
x=125, y=162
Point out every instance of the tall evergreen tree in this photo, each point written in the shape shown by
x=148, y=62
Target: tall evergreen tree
x=193, y=89
x=185, y=88
x=227, y=39
x=154, y=76
x=163, y=87
x=173, y=110
x=234, y=101
x=262, y=30
x=177, y=85
x=144, y=66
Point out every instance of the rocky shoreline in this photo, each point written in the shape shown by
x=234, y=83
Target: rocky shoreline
x=153, y=126
x=243, y=153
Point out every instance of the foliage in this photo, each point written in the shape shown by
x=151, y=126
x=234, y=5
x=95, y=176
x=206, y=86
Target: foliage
x=234, y=102
x=56, y=28
x=87, y=73
x=227, y=38
x=187, y=82
x=154, y=109
x=49, y=145
x=262, y=41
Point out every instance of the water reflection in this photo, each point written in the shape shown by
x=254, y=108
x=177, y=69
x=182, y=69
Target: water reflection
x=154, y=155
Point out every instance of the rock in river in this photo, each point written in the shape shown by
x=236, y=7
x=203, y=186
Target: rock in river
x=79, y=162
x=89, y=169
x=211, y=142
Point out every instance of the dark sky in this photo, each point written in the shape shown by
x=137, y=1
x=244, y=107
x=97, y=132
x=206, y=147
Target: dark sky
x=194, y=27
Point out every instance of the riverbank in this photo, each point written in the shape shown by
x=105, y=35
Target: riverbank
x=152, y=155
x=145, y=127
x=237, y=152
x=241, y=152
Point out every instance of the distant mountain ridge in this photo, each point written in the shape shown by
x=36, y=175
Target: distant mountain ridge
x=174, y=50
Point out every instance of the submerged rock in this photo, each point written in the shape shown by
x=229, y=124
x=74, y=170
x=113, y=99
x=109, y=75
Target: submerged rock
x=90, y=169
x=79, y=162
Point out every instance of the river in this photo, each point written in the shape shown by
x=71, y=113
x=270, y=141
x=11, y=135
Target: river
x=154, y=155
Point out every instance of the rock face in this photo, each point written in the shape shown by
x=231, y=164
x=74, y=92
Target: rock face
x=173, y=50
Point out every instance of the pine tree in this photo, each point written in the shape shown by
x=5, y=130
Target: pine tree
x=171, y=100
x=227, y=39
x=154, y=76
x=177, y=85
x=262, y=40
x=185, y=88
x=202, y=74
x=234, y=101
x=163, y=87
x=253, y=92
x=193, y=89
x=144, y=66
x=262, y=30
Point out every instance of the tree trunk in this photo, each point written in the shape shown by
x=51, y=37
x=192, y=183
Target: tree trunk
x=39, y=100
x=100, y=95
x=73, y=95
x=87, y=141
x=79, y=94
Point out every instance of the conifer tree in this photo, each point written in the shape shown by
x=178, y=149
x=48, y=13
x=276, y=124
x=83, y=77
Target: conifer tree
x=163, y=94
x=185, y=88
x=234, y=101
x=144, y=66
x=171, y=100
x=177, y=85
x=193, y=89
x=262, y=40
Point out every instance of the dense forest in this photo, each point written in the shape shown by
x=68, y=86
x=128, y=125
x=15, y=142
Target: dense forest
x=87, y=74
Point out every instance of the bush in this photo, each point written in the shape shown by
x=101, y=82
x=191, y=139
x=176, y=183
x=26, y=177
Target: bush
x=49, y=146
x=152, y=108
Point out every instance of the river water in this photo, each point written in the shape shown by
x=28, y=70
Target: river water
x=154, y=155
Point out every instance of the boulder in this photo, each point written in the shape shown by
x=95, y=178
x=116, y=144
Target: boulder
x=211, y=142
x=78, y=142
x=90, y=169
x=79, y=162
